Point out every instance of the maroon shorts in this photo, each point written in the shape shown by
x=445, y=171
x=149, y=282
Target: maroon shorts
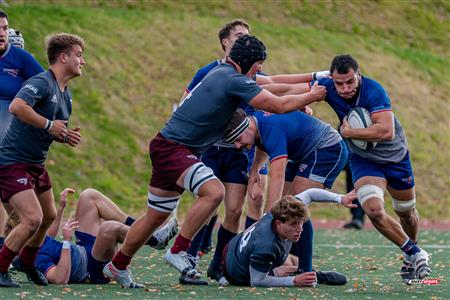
x=169, y=161
x=16, y=178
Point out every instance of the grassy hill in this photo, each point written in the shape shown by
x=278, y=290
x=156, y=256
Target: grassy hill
x=141, y=54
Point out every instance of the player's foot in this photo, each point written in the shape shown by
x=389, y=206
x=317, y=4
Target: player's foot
x=217, y=275
x=330, y=278
x=354, y=224
x=165, y=234
x=122, y=277
x=190, y=278
x=183, y=262
x=407, y=269
x=6, y=281
x=420, y=263
x=32, y=273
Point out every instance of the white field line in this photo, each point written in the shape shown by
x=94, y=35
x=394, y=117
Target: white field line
x=425, y=246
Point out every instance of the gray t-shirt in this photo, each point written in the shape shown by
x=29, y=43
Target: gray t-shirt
x=24, y=143
x=202, y=117
x=258, y=247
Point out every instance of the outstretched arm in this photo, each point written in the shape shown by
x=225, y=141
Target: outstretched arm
x=320, y=195
x=54, y=228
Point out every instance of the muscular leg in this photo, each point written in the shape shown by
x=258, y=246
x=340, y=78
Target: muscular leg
x=92, y=207
x=47, y=203
x=3, y=216
x=409, y=219
x=109, y=234
x=374, y=208
x=234, y=202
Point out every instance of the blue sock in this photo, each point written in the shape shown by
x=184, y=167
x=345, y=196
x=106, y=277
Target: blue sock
x=305, y=247
x=206, y=241
x=195, y=243
x=249, y=222
x=410, y=248
x=2, y=241
x=129, y=221
x=223, y=237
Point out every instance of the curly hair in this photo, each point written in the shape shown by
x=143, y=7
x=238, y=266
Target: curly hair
x=289, y=209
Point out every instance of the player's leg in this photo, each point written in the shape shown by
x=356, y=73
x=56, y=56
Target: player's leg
x=109, y=234
x=3, y=218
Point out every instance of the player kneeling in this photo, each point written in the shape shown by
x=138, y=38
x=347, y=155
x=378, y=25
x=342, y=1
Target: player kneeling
x=256, y=256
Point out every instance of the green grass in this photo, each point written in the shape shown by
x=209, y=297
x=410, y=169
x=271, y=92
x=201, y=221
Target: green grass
x=141, y=54
x=371, y=265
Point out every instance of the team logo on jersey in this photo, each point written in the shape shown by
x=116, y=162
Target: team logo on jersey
x=31, y=88
x=302, y=167
x=191, y=156
x=12, y=72
x=266, y=113
x=23, y=180
x=250, y=81
x=54, y=100
x=407, y=180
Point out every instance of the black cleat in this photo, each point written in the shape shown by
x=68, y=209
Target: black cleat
x=32, y=273
x=330, y=278
x=354, y=224
x=191, y=277
x=217, y=275
x=6, y=281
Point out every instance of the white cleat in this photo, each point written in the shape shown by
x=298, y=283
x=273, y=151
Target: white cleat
x=420, y=263
x=181, y=262
x=122, y=277
x=165, y=234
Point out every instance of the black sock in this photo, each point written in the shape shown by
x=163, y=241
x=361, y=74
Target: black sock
x=129, y=221
x=223, y=237
x=249, y=222
x=2, y=241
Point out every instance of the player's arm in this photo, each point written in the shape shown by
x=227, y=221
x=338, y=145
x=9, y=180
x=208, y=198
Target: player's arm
x=60, y=273
x=21, y=110
x=267, y=101
x=255, y=178
x=381, y=130
x=287, y=89
x=291, y=78
x=56, y=224
x=276, y=180
x=262, y=279
x=321, y=195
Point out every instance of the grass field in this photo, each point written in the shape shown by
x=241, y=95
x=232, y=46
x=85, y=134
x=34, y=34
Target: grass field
x=370, y=262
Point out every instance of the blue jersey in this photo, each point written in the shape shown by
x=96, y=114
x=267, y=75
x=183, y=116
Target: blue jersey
x=24, y=143
x=16, y=66
x=374, y=98
x=50, y=252
x=293, y=135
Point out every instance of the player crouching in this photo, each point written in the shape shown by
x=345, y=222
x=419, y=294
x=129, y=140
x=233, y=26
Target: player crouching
x=256, y=257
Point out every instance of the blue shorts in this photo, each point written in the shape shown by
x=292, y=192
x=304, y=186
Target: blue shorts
x=94, y=267
x=250, y=155
x=324, y=165
x=228, y=164
x=291, y=170
x=399, y=175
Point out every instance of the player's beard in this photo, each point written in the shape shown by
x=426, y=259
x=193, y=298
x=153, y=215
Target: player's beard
x=355, y=96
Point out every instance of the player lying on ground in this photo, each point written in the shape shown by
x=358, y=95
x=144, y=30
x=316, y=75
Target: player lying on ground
x=99, y=225
x=256, y=256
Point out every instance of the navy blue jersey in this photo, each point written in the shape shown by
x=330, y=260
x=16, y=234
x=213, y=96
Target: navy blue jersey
x=258, y=247
x=203, y=115
x=49, y=254
x=16, y=66
x=374, y=98
x=293, y=135
x=24, y=143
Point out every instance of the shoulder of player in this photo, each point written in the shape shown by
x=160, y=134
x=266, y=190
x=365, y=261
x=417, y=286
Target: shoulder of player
x=371, y=85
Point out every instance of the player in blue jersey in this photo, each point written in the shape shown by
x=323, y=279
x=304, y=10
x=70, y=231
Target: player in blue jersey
x=197, y=124
x=41, y=110
x=99, y=225
x=386, y=166
x=257, y=256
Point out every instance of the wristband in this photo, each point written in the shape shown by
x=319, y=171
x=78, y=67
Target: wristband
x=48, y=125
x=66, y=245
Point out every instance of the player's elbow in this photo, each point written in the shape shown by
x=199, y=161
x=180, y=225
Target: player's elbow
x=388, y=135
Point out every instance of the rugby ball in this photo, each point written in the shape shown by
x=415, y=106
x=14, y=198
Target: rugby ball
x=359, y=117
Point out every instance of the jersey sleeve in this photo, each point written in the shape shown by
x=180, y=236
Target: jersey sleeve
x=34, y=90
x=44, y=263
x=377, y=99
x=274, y=141
x=31, y=66
x=243, y=88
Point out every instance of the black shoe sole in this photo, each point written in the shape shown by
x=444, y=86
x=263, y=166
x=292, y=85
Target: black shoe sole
x=186, y=280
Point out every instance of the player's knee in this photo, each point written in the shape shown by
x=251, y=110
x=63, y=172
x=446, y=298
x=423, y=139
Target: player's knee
x=233, y=214
x=32, y=223
x=197, y=175
x=49, y=216
x=404, y=207
x=110, y=228
x=369, y=191
x=88, y=195
x=375, y=213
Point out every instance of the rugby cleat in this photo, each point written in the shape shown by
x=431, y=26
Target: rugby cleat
x=217, y=275
x=407, y=270
x=184, y=263
x=330, y=278
x=420, y=264
x=7, y=281
x=190, y=277
x=32, y=273
x=122, y=277
x=165, y=234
